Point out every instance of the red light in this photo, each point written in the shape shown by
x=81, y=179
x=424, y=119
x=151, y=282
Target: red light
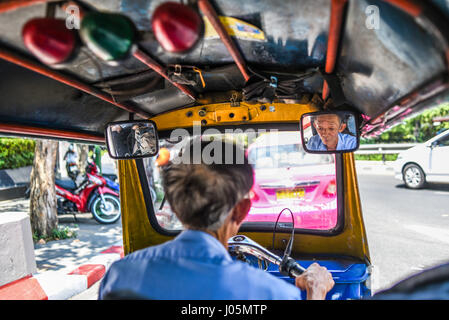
x=331, y=189
x=49, y=40
x=177, y=27
x=253, y=196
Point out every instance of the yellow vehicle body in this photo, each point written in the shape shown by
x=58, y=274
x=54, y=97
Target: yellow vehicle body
x=138, y=232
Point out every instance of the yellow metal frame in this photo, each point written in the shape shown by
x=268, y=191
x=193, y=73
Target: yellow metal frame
x=138, y=232
x=232, y=114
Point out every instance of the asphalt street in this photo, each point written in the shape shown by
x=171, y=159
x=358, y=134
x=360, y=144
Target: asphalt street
x=407, y=230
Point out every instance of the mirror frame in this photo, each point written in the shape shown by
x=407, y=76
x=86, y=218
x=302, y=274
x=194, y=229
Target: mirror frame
x=304, y=145
x=131, y=121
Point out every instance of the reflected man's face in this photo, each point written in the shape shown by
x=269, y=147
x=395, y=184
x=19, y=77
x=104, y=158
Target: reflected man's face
x=328, y=126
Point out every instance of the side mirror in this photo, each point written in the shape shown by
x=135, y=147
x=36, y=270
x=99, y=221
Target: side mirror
x=132, y=139
x=329, y=132
x=434, y=144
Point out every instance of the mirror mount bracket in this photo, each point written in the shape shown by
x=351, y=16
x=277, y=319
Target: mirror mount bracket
x=336, y=92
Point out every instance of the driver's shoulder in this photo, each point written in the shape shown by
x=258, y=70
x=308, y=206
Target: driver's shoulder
x=263, y=281
x=348, y=139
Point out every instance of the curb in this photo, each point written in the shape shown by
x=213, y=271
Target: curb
x=52, y=285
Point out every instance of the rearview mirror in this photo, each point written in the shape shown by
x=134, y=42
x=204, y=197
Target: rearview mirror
x=132, y=139
x=329, y=132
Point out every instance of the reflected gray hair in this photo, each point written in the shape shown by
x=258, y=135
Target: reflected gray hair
x=202, y=195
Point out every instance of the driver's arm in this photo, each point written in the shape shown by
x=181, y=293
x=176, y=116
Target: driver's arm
x=317, y=281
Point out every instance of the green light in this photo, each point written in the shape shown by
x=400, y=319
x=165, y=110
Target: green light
x=109, y=36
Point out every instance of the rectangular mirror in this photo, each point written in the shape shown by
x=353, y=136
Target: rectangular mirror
x=329, y=132
x=132, y=139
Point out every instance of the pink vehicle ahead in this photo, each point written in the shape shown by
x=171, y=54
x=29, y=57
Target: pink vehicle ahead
x=288, y=177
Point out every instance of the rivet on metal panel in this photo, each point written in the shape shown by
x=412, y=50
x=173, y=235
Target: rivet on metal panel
x=202, y=112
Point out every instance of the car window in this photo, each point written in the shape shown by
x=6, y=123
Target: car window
x=444, y=141
x=285, y=177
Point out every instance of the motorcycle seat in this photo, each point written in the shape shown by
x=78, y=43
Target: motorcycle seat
x=67, y=184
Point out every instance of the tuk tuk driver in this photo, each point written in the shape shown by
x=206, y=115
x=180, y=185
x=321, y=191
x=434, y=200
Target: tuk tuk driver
x=330, y=135
x=211, y=201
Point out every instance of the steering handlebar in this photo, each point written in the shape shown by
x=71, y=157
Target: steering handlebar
x=287, y=265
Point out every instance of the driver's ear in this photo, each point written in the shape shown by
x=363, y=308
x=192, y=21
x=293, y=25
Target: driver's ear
x=342, y=127
x=241, y=210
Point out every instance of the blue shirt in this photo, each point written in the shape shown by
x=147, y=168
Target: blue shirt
x=345, y=142
x=193, y=266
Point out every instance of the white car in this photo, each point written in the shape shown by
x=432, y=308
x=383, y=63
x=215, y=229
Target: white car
x=425, y=162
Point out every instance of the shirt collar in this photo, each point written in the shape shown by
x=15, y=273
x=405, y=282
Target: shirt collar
x=340, y=143
x=214, y=247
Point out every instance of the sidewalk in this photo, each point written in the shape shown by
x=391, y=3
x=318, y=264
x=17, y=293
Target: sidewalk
x=67, y=267
x=375, y=167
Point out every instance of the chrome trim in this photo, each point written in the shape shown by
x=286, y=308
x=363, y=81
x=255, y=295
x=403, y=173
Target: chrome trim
x=243, y=244
x=283, y=186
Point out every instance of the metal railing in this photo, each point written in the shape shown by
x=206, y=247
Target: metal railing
x=384, y=148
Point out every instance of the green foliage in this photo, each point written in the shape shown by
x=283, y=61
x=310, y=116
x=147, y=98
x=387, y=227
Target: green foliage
x=418, y=129
x=376, y=157
x=56, y=234
x=16, y=153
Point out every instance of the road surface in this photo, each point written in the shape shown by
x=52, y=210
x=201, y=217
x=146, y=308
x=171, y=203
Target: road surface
x=407, y=230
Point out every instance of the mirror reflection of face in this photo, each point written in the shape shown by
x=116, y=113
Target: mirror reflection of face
x=145, y=139
x=328, y=126
x=129, y=140
x=116, y=128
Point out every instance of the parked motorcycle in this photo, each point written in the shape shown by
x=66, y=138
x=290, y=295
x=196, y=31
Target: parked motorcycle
x=111, y=183
x=92, y=195
x=72, y=170
x=71, y=159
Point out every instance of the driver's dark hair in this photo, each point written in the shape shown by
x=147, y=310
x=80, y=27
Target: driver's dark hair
x=202, y=195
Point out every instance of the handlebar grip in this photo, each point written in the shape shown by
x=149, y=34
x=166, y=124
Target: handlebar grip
x=296, y=270
x=290, y=267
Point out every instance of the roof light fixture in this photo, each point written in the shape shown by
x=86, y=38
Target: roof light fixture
x=177, y=27
x=49, y=40
x=109, y=36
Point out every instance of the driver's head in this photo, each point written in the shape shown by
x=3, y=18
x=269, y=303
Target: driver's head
x=328, y=126
x=205, y=195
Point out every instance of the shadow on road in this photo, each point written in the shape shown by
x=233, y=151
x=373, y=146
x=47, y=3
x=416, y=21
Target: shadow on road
x=79, y=218
x=428, y=186
x=92, y=238
x=20, y=205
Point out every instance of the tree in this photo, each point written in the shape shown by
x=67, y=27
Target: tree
x=83, y=151
x=43, y=213
x=417, y=129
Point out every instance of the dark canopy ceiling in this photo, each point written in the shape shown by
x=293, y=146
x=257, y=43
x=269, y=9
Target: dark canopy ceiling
x=377, y=68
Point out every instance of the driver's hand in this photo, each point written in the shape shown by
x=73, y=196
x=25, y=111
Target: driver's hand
x=316, y=280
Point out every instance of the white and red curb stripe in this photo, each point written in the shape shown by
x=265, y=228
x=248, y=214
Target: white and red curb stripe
x=52, y=285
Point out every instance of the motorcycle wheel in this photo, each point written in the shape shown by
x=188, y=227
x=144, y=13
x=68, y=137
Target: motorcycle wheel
x=107, y=212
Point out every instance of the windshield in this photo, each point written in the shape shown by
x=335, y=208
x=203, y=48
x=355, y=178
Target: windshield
x=285, y=156
x=286, y=179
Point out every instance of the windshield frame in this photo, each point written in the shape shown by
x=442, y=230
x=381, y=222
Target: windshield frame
x=265, y=227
